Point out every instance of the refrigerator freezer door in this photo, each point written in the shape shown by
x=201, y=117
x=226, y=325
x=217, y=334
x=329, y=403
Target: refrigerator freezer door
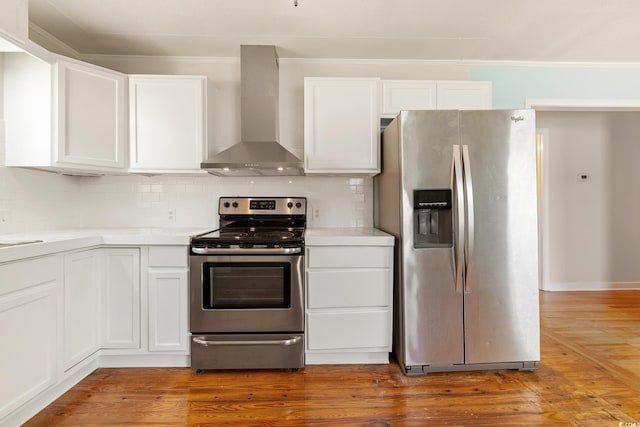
x=501, y=302
x=432, y=328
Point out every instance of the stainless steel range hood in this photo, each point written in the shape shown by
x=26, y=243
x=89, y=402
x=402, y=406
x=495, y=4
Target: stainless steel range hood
x=259, y=152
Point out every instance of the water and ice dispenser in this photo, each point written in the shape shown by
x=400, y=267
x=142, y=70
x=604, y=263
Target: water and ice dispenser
x=432, y=219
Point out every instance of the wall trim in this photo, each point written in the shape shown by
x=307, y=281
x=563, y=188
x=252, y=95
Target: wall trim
x=45, y=398
x=567, y=104
x=380, y=61
x=368, y=61
x=54, y=41
x=591, y=286
x=86, y=368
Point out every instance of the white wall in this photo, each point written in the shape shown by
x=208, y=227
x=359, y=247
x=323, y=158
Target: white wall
x=34, y=200
x=625, y=198
x=592, y=232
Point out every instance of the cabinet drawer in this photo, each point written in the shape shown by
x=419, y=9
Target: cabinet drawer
x=363, y=329
x=348, y=256
x=168, y=256
x=358, y=288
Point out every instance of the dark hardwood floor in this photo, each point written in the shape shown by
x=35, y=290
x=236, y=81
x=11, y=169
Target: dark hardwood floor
x=589, y=376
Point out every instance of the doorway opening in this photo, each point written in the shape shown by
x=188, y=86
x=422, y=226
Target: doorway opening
x=589, y=188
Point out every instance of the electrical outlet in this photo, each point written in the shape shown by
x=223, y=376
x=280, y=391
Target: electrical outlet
x=171, y=215
x=315, y=213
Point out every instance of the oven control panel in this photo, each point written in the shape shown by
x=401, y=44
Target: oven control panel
x=262, y=206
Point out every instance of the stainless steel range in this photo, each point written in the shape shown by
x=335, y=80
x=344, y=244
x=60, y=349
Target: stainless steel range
x=247, y=285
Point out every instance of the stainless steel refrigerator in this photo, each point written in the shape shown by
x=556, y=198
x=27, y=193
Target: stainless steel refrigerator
x=458, y=191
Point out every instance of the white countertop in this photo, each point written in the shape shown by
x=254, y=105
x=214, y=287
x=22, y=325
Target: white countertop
x=68, y=240
x=348, y=237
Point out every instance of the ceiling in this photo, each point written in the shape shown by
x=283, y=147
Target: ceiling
x=509, y=30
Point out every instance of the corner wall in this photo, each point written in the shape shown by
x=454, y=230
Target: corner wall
x=592, y=232
x=512, y=85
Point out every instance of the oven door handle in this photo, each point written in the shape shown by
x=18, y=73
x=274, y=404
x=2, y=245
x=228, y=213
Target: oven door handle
x=286, y=342
x=245, y=251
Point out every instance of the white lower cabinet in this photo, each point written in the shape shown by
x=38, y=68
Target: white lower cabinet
x=81, y=319
x=349, y=304
x=61, y=316
x=168, y=299
x=121, y=298
x=29, y=308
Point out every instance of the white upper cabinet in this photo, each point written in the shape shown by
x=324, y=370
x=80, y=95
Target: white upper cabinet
x=91, y=115
x=407, y=95
x=66, y=115
x=341, y=131
x=167, y=123
x=464, y=95
x=14, y=20
x=400, y=95
x=341, y=116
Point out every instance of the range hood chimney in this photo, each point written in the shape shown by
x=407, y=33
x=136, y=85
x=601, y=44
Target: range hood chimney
x=258, y=153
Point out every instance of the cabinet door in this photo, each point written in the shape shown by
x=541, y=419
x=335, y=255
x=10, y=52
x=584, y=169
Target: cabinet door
x=121, y=298
x=341, y=129
x=464, y=95
x=168, y=314
x=167, y=123
x=400, y=95
x=90, y=115
x=349, y=329
x=81, y=306
x=14, y=20
x=27, y=110
x=28, y=330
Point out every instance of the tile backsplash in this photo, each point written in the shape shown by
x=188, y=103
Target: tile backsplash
x=33, y=200
x=166, y=201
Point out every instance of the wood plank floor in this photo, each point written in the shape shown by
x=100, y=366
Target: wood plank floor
x=589, y=376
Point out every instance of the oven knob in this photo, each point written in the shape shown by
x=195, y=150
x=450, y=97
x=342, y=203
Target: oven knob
x=298, y=205
x=235, y=204
x=226, y=204
x=289, y=205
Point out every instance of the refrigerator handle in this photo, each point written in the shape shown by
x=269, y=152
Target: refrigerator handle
x=458, y=247
x=468, y=184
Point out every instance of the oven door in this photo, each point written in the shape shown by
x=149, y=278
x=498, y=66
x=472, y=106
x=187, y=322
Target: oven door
x=246, y=293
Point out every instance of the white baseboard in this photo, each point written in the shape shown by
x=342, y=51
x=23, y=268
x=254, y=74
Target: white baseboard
x=590, y=286
x=35, y=405
x=345, y=358
x=82, y=370
x=144, y=361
